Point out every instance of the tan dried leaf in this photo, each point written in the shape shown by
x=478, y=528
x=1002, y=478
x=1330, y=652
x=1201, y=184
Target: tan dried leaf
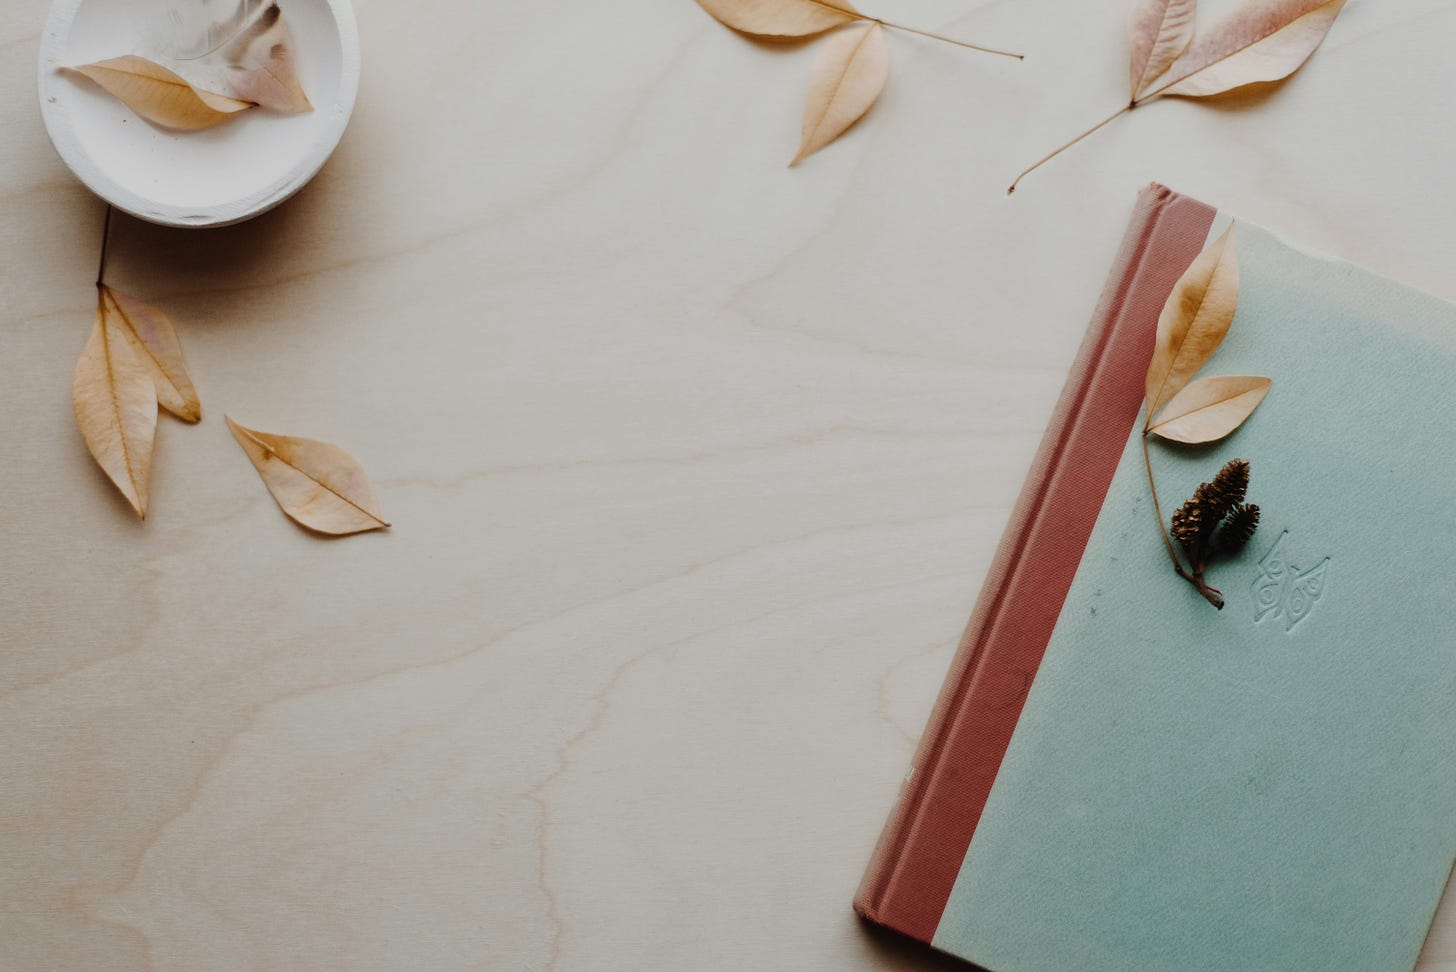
x=1160, y=30
x=849, y=75
x=1267, y=40
x=152, y=337
x=318, y=485
x=781, y=18
x=116, y=410
x=261, y=66
x=1194, y=321
x=1210, y=408
x=159, y=95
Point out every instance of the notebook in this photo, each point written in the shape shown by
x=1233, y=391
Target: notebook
x=1119, y=777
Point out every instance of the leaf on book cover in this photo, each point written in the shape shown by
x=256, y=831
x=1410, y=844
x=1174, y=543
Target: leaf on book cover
x=1194, y=321
x=1161, y=30
x=849, y=75
x=1210, y=408
x=261, y=65
x=1266, y=41
x=159, y=95
x=152, y=337
x=781, y=18
x=318, y=485
x=116, y=409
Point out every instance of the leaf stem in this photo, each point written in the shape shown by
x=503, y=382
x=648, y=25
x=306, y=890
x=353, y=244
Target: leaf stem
x=1053, y=154
x=105, y=238
x=948, y=40
x=850, y=12
x=1211, y=595
x=1157, y=508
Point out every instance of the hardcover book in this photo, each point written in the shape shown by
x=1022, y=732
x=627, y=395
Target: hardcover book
x=1119, y=777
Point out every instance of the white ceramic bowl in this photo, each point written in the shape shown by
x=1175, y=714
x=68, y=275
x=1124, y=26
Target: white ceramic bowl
x=214, y=177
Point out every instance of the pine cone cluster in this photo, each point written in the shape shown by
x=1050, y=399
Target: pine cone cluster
x=1215, y=521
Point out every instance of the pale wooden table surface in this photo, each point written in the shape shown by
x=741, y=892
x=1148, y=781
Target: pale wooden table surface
x=695, y=463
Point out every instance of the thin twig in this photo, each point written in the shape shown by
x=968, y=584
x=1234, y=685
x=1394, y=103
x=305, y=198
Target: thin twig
x=1211, y=595
x=1053, y=154
x=105, y=238
x=948, y=40
x=1158, y=509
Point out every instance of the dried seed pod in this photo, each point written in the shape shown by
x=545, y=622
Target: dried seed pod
x=1191, y=522
x=1231, y=484
x=1236, y=531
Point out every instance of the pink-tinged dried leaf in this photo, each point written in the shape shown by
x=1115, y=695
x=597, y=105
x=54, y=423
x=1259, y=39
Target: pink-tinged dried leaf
x=849, y=75
x=116, y=410
x=160, y=96
x=1210, y=408
x=318, y=485
x=781, y=18
x=1267, y=41
x=261, y=66
x=1194, y=321
x=1160, y=31
x=152, y=337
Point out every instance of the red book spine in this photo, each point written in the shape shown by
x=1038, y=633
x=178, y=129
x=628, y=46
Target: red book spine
x=919, y=855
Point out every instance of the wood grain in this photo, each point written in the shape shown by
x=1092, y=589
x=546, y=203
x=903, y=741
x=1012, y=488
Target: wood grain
x=695, y=466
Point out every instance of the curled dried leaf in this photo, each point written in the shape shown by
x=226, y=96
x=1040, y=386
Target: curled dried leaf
x=318, y=485
x=151, y=335
x=1267, y=40
x=1194, y=321
x=116, y=410
x=1161, y=30
x=161, y=96
x=1210, y=408
x=849, y=75
x=781, y=18
x=261, y=64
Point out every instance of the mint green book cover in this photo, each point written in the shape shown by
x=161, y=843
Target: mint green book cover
x=1271, y=786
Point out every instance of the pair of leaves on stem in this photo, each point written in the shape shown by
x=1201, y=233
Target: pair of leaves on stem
x=1263, y=42
x=261, y=72
x=1194, y=322
x=850, y=70
x=849, y=73
x=133, y=363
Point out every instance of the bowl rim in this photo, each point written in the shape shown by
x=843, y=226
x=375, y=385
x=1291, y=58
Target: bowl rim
x=93, y=175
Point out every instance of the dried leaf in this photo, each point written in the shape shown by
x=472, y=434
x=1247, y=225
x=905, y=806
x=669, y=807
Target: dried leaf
x=1161, y=30
x=781, y=18
x=1194, y=321
x=1210, y=408
x=152, y=337
x=160, y=96
x=1267, y=41
x=849, y=75
x=318, y=485
x=116, y=410
x=261, y=66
